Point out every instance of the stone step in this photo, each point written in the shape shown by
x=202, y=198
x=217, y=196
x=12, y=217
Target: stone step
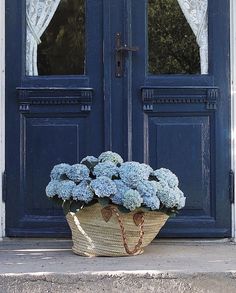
x=39, y=265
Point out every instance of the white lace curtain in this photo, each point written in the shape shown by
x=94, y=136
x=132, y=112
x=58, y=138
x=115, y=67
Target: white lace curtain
x=195, y=12
x=38, y=16
x=40, y=12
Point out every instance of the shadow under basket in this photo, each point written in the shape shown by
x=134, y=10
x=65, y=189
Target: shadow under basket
x=99, y=231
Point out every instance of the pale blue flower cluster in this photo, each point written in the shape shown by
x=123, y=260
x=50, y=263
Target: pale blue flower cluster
x=151, y=202
x=148, y=191
x=78, y=172
x=107, y=169
x=111, y=157
x=147, y=188
x=64, y=189
x=51, y=189
x=132, y=199
x=89, y=161
x=103, y=186
x=170, y=197
x=147, y=170
x=128, y=184
x=82, y=192
x=133, y=172
x=59, y=171
x=167, y=176
x=121, y=190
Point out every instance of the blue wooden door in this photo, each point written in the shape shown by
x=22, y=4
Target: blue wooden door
x=132, y=95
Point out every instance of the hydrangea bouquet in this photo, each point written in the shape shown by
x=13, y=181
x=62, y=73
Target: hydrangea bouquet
x=109, y=180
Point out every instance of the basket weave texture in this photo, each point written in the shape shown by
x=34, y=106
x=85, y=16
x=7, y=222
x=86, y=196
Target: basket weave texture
x=117, y=235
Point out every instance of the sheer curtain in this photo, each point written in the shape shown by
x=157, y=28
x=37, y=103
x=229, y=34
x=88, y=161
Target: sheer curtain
x=195, y=12
x=38, y=16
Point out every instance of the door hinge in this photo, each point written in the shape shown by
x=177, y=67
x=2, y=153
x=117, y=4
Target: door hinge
x=231, y=186
x=4, y=186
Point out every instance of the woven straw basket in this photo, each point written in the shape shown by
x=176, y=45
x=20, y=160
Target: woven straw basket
x=98, y=231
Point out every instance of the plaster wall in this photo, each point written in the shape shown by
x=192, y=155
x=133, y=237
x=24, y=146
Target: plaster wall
x=2, y=112
x=233, y=102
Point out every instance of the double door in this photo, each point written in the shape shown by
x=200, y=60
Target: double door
x=135, y=77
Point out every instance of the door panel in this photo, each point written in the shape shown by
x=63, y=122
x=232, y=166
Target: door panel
x=183, y=124
x=50, y=119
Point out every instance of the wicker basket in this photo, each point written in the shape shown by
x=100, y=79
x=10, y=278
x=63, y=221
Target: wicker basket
x=98, y=231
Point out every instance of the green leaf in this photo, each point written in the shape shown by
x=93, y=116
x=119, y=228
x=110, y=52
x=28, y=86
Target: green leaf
x=58, y=201
x=75, y=206
x=123, y=210
x=145, y=209
x=104, y=201
x=92, y=202
x=66, y=206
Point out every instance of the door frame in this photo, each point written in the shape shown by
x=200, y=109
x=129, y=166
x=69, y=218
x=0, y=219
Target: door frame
x=2, y=107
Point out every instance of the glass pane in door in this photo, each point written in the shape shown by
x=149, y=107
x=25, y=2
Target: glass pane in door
x=173, y=48
x=55, y=37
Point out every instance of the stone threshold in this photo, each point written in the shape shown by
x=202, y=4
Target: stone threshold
x=168, y=265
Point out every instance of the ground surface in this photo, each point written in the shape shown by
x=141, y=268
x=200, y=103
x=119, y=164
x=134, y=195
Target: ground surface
x=35, y=265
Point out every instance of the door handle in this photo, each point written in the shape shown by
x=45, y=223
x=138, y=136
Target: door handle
x=126, y=48
x=120, y=50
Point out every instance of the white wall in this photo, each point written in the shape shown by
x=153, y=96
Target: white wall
x=2, y=112
x=233, y=99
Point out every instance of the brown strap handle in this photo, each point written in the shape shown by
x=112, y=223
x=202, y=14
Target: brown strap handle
x=138, y=220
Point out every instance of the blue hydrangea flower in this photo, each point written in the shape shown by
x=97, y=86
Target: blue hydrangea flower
x=168, y=176
x=181, y=203
x=181, y=199
x=170, y=197
x=64, y=189
x=89, y=161
x=103, y=186
x=132, y=173
x=111, y=157
x=51, y=189
x=82, y=192
x=147, y=188
x=121, y=190
x=59, y=171
x=147, y=169
x=163, y=190
x=78, y=172
x=151, y=202
x=132, y=199
x=107, y=169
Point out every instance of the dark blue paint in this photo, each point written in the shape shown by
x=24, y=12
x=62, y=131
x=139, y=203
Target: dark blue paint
x=185, y=126
x=176, y=121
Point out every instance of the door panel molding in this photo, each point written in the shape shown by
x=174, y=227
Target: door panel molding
x=180, y=95
x=31, y=99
